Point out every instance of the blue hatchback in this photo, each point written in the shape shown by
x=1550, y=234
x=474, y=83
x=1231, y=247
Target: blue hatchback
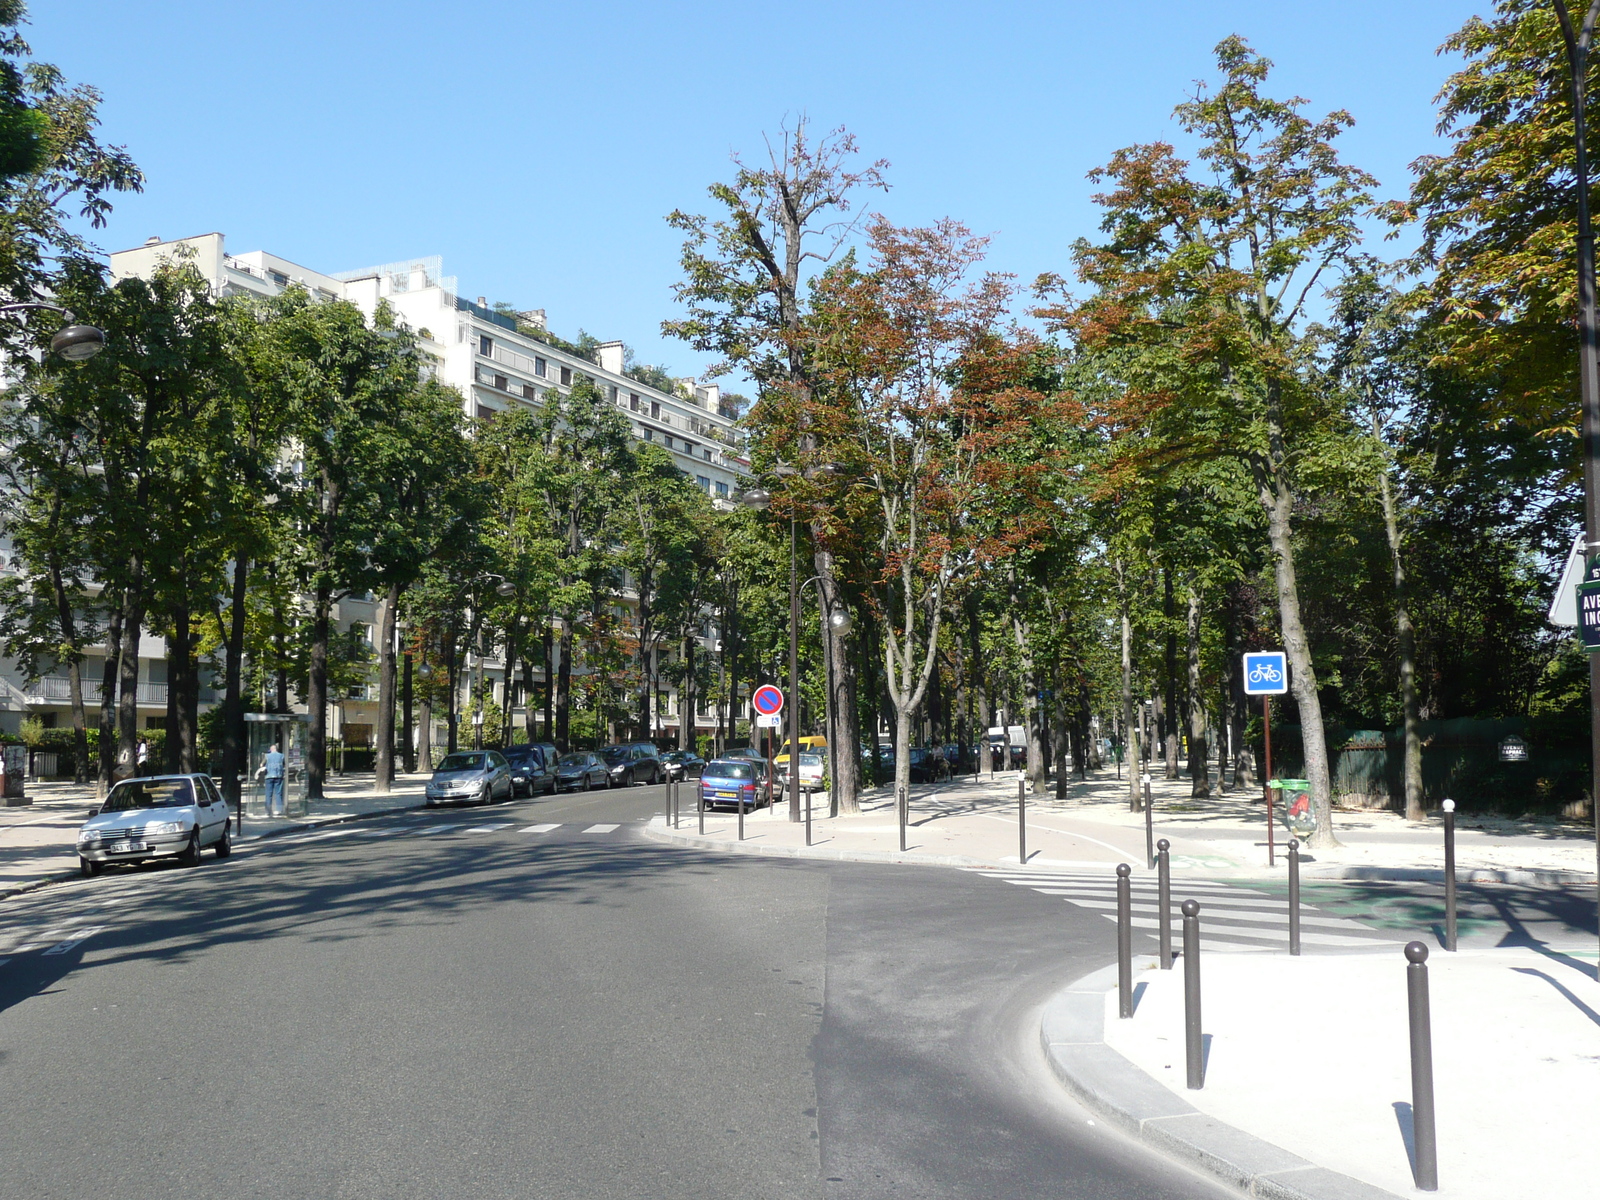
x=728, y=782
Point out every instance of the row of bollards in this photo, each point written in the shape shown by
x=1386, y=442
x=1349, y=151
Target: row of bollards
x=1424, y=1134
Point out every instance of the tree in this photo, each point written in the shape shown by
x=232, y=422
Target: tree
x=744, y=276
x=1207, y=282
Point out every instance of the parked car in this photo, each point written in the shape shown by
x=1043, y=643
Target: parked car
x=479, y=776
x=580, y=770
x=683, y=764
x=727, y=782
x=812, y=773
x=634, y=762
x=533, y=768
x=158, y=816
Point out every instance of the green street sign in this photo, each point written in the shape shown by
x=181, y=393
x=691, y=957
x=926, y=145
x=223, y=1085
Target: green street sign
x=1589, y=606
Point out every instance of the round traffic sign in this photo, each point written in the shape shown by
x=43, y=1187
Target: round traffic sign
x=767, y=700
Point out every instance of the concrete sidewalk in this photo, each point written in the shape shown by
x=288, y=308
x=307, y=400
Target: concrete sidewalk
x=38, y=842
x=973, y=821
x=1307, y=1085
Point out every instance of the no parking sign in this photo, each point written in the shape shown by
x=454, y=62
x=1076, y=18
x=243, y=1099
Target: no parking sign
x=768, y=700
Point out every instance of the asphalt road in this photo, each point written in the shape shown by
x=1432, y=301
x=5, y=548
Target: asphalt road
x=447, y=1004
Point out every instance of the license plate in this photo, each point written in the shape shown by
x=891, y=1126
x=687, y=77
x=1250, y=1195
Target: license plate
x=126, y=847
x=727, y=795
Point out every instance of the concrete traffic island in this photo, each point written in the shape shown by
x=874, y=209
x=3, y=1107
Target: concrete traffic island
x=1307, y=1088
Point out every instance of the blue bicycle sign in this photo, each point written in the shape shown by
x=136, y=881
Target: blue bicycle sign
x=1266, y=674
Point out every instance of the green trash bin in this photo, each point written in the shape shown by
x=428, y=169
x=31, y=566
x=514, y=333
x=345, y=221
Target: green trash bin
x=1294, y=796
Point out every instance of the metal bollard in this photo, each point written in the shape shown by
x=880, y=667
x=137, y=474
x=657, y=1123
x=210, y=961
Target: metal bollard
x=1124, y=942
x=1149, y=826
x=808, y=816
x=1164, y=900
x=700, y=806
x=741, y=815
x=1422, y=1131
x=1449, y=807
x=1022, y=823
x=903, y=803
x=1193, y=1043
x=1294, y=896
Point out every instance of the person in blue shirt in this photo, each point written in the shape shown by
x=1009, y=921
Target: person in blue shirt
x=271, y=772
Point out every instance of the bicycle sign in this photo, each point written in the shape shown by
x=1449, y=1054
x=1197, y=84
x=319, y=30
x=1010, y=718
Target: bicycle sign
x=1266, y=674
x=768, y=700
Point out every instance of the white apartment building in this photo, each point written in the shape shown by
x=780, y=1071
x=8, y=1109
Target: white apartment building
x=497, y=362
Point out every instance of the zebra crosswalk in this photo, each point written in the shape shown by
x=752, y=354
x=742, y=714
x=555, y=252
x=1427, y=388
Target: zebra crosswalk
x=1232, y=917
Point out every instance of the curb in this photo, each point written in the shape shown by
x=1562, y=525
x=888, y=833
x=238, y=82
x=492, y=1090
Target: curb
x=1072, y=1036
x=1523, y=875
x=45, y=881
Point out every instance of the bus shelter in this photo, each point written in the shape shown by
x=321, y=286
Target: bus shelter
x=288, y=732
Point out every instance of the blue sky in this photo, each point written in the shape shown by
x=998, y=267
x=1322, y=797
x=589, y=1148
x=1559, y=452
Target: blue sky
x=537, y=147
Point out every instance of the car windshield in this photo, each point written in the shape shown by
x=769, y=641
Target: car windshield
x=731, y=770
x=673, y=756
x=149, y=793
x=463, y=762
x=573, y=760
x=520, y=752
x=616, y=753
x=811, y=760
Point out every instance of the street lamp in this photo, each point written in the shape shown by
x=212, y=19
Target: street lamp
x=1578, y=46
x=72, y=342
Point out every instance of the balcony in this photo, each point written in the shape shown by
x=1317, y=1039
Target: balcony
x=54, y=690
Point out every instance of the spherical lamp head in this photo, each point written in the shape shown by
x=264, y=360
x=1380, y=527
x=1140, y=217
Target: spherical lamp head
x=840, y=622
x=757, y=498
x=76, y=343
x=506, y=588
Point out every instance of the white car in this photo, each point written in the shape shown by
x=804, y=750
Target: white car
x=812, y=773
x=156, y=816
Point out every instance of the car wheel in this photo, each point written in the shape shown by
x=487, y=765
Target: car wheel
x=90, y=868
x=224, y=846
x=191, y=853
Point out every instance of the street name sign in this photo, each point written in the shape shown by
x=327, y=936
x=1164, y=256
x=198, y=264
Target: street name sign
x=1513, y=749
x=1266, y=673
x=1589, y=606
x=768, y=700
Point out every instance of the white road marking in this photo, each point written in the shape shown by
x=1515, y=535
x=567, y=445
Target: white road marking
x=77, y=938
x=602, y=828
x=539, y=828
x=487, y=828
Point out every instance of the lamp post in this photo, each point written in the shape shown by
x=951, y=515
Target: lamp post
x=1578, y=43
x=72, y=342
x=760, y=499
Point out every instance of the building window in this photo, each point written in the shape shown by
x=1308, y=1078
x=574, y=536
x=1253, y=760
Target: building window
x=705, y=452
x=486, y=346
x=688, y=447
x=666, y=441
x=633, y=401
x=500, y=382
x=705, y=484
x=655, y=410
x=722, y=489
x=540, y=368
x=484, y=413
x=648, y=435
x=278, y=277
x=566, y=376
x=529, y=392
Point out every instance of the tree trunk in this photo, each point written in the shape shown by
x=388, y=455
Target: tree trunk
x=549, y=643
x=564, y=689
x=74, y=656
x=233, y=734
x=1279, y=502
x=844, y=729
x=1167, y=714
x=1406, y=643
x=425, y=736
x=317, y=695
x=1132, y=751
x=108, y=699
x=128, y=666
x=1199, y=765
x=383, y=775
x=408, y=745
x=185, y=690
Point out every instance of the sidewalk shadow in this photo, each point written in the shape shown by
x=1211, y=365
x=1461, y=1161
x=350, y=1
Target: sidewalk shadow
x=1408, y=1132
x=1563, y=989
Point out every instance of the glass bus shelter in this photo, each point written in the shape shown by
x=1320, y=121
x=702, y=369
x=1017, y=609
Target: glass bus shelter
x=288, y=732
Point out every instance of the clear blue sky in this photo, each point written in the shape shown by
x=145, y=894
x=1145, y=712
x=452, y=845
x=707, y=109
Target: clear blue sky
x=538, y=146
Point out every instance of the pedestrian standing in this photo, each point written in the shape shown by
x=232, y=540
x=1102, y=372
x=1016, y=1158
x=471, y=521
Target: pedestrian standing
x=271, y=773
x=143, y=757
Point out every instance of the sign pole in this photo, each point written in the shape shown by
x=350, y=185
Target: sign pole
x=1266, y=724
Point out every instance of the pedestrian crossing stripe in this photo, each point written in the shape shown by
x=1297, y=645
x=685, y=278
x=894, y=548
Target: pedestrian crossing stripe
x=602, y=828
x=75, y=939
x=487, y=828
x=1231, y=917
x=541, y=828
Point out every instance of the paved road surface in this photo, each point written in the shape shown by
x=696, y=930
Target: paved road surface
x=532, y=1000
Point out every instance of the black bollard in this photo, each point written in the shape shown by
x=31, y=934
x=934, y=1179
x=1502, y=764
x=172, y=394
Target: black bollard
x=700, y=805
x=1422, y=1131
x=1294, y=896
x=741, y=816
x=1193, y=1045
x=1124, y=942
x=1149, y=824
x=808, y=816
x=1022, y=822
x=1164, y=900
x=903, y=804
x=1449, y=807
